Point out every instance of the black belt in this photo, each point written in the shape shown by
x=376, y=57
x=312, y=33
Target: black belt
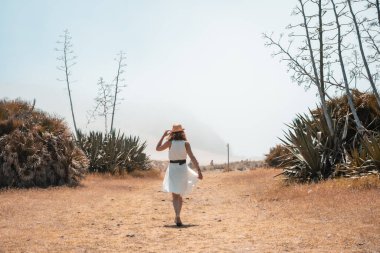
x=180, y=162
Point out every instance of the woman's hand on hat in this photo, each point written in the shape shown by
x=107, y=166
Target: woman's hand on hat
x=166, y=133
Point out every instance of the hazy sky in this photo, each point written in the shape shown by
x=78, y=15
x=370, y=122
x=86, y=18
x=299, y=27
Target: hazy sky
x=201, y=63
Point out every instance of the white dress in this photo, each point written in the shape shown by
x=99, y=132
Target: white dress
x=179, y=179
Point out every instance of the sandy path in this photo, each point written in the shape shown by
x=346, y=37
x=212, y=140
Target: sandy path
x=228, y=212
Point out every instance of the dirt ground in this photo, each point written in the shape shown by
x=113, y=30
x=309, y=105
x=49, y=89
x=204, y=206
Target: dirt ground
x=238, y=211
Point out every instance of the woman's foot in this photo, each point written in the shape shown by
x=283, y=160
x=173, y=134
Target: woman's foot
x=178, y=221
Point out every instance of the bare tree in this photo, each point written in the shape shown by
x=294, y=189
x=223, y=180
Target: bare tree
x=340, y=37
x=375, y=4
x=67, y=59
x=303, y=62
x=371, y=33
x=320, y=81
x=368, y=73
x=370, y=27
x=118, y=84
x=103, y=103
x=355, y=71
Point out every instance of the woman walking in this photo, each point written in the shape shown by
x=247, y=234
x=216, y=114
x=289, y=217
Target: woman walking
x=179, y=179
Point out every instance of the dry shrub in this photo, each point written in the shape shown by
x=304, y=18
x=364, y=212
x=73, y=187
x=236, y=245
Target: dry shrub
x=36, y=148
x=276, y=156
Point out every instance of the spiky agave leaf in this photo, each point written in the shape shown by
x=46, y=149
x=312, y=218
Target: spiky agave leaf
x=372, y=145
x=304, y=162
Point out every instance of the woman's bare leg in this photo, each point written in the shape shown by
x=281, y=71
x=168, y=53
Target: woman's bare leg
x=177, y=204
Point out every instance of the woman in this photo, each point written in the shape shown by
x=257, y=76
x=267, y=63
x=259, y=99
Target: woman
x=179, y=179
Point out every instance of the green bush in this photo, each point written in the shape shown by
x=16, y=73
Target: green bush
x=36, y=149
x=114, y=153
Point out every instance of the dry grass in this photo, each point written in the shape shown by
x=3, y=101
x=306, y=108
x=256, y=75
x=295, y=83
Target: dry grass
x=237, y=211
x=151, y=174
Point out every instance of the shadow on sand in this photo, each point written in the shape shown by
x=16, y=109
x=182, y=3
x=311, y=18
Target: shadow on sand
x=183, y=226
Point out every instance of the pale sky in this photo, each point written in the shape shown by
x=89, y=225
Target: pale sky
x=201, y=63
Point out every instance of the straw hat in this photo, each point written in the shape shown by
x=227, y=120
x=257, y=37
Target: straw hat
x=177, y=128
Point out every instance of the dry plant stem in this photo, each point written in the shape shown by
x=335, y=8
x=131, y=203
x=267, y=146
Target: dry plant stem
x=378, y=11
x=103, y=103
x=69, y=91
x=118, y=86
x=364, y=59
x=67, y=64
x=316, y=77
x=358, y=123
x=321, y=45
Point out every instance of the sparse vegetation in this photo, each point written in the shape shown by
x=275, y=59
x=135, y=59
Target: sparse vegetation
x=37, y=149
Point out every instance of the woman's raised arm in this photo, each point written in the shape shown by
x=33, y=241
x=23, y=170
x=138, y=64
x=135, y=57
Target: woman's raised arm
x=160, y=146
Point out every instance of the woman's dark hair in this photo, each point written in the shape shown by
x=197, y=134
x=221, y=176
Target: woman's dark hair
x=178, y=136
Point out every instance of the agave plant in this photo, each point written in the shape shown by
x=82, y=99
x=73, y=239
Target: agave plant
x=313, y=151
x=114, y=152
x=315, y=154
x=36, y=149
x=304, y=161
